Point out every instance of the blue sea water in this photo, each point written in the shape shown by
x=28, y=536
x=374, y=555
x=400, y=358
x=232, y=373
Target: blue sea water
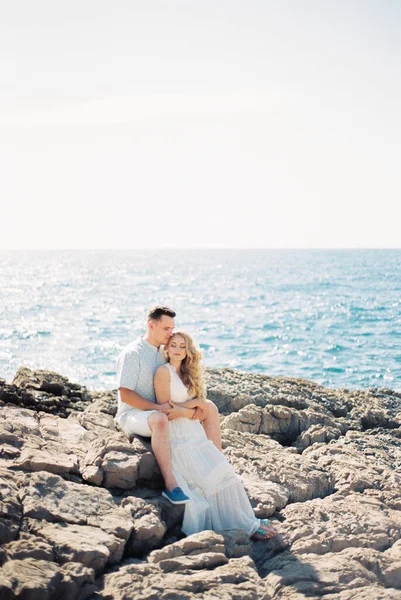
x=331, y=316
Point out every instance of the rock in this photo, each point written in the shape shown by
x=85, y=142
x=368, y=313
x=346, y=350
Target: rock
x=78, y=582
x=272, y=476
x=121, y=469
x=198, y=543
x=248, y=400
x=51, y=383
x=207, y=560
x=367, y=593
x=89, y=419
x=149, y=529
x=361, y=460
x=332, y=575
x=91, y=546
x=36, y=579
x=27, y=546
x=10, y=507
x=92, y=474
x=286, y=425
x=82, y=524
x=104, y=402
x=46, y=391
x=50, y=497
x=337, y=522
x=17, y=424
x=51, y=459
x=237, y=543
x=79, y=498
x=171, y=514
x=316, y=434
x=100, y=455
x=122, y=463
x=128, y=581
x=236, y=579
x=53, y=393
x=29, y=578
x=232, y=390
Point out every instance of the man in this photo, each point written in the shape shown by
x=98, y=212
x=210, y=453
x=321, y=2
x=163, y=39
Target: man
x=138, y=411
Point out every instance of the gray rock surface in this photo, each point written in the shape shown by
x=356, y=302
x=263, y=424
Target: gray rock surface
x=45, y=390
x=81, y=515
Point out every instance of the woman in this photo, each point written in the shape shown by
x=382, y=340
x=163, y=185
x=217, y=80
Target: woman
x=218, y=499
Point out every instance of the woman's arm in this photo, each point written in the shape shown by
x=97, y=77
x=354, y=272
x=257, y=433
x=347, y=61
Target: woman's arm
x=161, y=383
x=194, y=403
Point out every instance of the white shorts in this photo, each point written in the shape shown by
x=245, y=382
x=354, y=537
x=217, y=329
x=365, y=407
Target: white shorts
x=136, y=422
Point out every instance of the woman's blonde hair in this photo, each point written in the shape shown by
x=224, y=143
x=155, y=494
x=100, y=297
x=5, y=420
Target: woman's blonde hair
x=192, y=372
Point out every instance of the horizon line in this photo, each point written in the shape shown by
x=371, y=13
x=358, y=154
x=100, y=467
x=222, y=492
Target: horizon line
x=178, y=248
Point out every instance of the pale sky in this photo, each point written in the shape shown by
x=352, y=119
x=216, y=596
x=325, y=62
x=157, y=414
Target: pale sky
x=200, y=123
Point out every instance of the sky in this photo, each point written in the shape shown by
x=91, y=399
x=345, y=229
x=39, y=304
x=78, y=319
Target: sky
x=208, y=123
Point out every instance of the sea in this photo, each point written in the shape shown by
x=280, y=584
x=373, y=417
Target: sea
x=329, y=316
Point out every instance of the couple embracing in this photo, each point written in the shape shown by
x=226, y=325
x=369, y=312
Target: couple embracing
x=161, y=395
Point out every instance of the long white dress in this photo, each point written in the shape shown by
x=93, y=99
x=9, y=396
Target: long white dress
x=218, y=498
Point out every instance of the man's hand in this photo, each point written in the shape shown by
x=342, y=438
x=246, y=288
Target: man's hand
x=165, y=408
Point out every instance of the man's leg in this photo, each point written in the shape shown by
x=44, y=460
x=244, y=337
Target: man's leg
x=211, y=424
x=158, y=424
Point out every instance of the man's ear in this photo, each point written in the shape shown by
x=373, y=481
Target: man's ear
x=151, y=324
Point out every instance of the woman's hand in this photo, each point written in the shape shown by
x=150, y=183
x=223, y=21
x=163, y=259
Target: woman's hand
x=200, y=412
x=199, y=408
x=175, y=412
x=194, y=403
x=180, y=411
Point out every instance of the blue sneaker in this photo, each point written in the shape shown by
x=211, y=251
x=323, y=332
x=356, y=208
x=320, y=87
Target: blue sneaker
x=176, y=496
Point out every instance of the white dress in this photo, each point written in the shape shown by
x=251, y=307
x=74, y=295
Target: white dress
x=218, y=498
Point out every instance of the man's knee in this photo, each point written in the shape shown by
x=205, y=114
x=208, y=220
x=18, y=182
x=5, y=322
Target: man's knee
x=158, y=421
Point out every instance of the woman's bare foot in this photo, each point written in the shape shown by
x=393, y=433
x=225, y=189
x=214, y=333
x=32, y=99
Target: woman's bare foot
x=265, y=532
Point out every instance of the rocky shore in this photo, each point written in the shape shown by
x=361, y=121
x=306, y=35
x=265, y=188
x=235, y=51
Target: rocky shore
x=81, y=515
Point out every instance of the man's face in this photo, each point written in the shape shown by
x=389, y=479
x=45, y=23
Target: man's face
x=162, y=330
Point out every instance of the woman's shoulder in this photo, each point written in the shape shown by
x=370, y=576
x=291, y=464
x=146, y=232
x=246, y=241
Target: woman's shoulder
x=163, y=371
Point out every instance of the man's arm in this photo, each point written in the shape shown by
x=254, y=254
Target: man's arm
x=133, y=399
x=128, y=367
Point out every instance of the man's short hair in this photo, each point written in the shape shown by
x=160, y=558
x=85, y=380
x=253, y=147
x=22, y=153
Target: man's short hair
x=156, y=313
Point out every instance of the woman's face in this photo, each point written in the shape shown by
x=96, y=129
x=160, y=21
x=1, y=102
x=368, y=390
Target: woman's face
x=177, y=348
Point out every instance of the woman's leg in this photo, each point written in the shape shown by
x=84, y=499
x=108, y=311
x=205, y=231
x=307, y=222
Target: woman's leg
x=211, y=424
